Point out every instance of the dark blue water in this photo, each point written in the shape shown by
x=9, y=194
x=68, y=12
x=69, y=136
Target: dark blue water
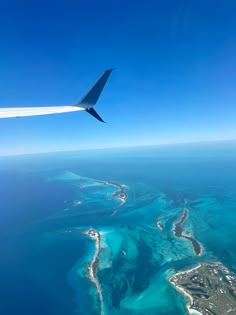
x=33, y=279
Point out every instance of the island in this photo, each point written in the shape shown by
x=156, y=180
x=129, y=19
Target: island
x=120, y=193
x=93, y=266
x=159, y=225
x=92, y=269
x=211, y=289
x=178, y=232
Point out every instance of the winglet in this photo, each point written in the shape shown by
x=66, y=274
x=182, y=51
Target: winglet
x=93, y=112
x=91, y=97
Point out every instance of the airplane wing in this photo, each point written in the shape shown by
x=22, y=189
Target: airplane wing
x=11, y=112
x=86, y=103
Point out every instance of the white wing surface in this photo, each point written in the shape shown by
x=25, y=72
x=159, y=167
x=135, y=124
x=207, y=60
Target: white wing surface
x=11, y=112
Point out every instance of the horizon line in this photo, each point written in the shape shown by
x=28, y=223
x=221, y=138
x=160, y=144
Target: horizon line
x=120, y=147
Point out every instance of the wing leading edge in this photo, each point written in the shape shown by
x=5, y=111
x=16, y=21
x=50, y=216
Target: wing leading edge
x=86, y=103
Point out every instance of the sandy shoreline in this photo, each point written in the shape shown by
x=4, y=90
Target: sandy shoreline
x=120, y=193
x=92, y=269
x=187, y=271
x=190, y=310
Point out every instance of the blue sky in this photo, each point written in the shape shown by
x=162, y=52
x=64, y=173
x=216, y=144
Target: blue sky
x=174, y=81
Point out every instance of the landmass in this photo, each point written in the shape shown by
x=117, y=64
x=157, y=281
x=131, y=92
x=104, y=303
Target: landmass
x=121, y=193
x=159, y=225
x=211, y=289
x=92, y=269
x=178, y=232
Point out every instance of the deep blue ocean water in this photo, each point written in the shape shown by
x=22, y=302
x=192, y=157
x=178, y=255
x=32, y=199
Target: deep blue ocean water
x=43, y=268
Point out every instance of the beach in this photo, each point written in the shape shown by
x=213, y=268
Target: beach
x=92, y=269
x=171, y=280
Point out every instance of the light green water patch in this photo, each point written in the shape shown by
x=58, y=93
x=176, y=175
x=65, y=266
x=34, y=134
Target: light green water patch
x=168, y=217
x=140, y=193
x=110, y=246
x=182, y=249
x=91, y=193
x=148, y=298
x=157, y=297
x=204, y=203
x=79, y=181
x=129, y=269
x=149, y=210
x=82, y=182
x=111, y=238
x=116, y=242
x=65, y=176
x=213, y=221
x=129, y=247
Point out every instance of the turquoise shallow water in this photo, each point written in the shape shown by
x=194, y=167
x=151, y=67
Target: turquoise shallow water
x=44, y=197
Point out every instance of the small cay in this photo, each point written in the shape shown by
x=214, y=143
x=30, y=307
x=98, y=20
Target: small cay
x=178, y=232
x=92, y=269
x=121, y=193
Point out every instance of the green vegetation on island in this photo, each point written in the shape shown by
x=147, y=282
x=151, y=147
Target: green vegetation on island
x=211, y=289
x=178, y=231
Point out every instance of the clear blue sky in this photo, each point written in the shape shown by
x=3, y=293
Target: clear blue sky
x=175, y=78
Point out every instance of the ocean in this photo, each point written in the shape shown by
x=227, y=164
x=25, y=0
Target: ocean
x=49, y=200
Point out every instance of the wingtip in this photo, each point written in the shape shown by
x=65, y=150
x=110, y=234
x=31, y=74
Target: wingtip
x=92, y=112
x=110, y=70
